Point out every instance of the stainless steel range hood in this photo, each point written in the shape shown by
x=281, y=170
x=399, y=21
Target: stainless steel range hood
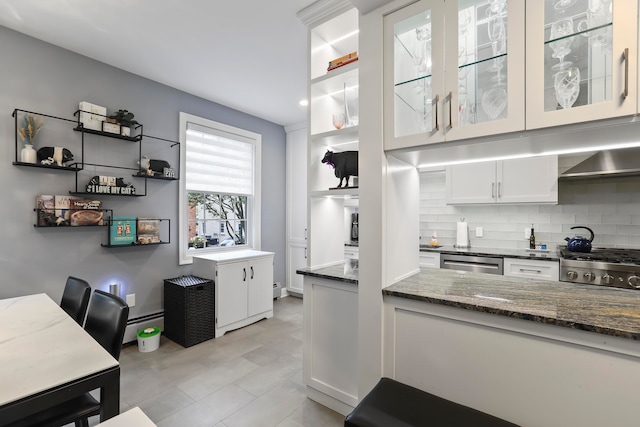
x=607, y=163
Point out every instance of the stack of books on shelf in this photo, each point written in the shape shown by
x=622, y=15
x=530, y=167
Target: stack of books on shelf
x=343, y=60
x=62, y=210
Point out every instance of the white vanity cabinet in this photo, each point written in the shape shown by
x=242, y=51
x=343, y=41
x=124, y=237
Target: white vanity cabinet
x=581, y=61
x=531, y=268
x=243, y=286
x=453, y=70
x=529, y=180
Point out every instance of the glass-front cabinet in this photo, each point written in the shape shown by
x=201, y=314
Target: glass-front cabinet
x=581, y=57
x=453, y=69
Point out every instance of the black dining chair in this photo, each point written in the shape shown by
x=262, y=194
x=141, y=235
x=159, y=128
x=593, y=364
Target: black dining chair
x=106, y=322
x=75, y=298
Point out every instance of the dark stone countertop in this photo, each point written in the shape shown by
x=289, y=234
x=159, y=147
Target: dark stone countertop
x=347, y=272
x=549, y=255
x=604, y=310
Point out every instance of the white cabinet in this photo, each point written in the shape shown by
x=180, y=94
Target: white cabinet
x=581, y=61
x=296, y=206
x=333, y=33
x=351, y=252
x=453, y=70
x=529, y=180
x=330, y=350
x=430, y=259
x=243, y=286
x=531, y=268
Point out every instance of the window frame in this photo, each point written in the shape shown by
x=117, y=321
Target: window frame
x=185, y=256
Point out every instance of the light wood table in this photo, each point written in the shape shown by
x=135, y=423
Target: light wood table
x=47, y=358
x=132, y=418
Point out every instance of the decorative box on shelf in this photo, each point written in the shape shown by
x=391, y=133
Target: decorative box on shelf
x=92, y=116
x=101, y=184
x=110, y=126
x=122, y=230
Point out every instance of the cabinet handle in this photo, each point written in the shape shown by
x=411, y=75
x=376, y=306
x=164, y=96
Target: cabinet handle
x=493, y=190
x=252, y=272
x=525, y=270
x=450, y=110
x=437, y=100
x=305, y=253
x=625, y=57
x=305, y=234
x=499, y=190
x=244, y=270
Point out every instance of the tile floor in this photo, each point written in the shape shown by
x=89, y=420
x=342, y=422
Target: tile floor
x=248, y=377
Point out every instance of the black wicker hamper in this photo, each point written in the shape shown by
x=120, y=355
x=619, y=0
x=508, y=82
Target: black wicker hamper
x=189, y=310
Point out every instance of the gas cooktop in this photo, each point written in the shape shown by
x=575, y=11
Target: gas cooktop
x=602, y=266
x=613, y=255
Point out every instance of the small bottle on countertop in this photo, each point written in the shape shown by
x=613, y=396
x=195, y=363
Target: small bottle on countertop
x=532, y=239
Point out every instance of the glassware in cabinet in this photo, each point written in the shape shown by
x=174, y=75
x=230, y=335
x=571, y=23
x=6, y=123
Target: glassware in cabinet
x=589, y=70
x=456, y=80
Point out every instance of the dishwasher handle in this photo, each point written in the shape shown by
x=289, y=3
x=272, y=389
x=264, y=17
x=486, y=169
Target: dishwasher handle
x=479, y=264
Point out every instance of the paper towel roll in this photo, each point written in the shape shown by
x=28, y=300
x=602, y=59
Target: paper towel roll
x=462, y=235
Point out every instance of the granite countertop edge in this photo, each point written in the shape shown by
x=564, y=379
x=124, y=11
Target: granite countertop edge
x=606, y=311
x=336, y=273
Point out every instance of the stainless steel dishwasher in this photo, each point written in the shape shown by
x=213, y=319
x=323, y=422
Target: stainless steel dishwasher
x=478, y=264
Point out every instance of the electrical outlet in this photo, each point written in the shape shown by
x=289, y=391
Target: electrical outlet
x=131, y=300
x=527, y=233
x=479, y=231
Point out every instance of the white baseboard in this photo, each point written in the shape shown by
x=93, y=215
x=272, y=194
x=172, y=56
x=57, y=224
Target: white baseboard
x=134, y=325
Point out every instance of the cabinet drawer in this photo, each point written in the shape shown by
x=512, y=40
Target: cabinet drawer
x=430, y=259
x=545, y=270
x=351, y=252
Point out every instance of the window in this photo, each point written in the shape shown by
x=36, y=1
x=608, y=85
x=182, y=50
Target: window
x=220, y=191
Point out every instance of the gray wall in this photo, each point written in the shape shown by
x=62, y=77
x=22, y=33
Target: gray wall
x=39, y=77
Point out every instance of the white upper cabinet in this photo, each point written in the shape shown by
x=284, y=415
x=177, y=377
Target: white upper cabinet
x=529, y=180
x=453, y=69
x=581, y=61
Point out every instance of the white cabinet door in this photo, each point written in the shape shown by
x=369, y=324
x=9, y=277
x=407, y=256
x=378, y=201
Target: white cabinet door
x=471, y=183
x=533, y=269
x=231, y=292
x=453, y=70
x=260, y=293
x=430, y=259
x=530, y=180
x=297, y=258
x=296, y=206
x=581, y=61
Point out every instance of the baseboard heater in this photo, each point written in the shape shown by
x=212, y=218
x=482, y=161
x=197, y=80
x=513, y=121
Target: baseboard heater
x=147, y=321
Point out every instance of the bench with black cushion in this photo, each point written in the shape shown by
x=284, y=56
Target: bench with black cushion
x=394, y=404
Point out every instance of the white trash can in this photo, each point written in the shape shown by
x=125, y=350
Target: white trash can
x=148, y=339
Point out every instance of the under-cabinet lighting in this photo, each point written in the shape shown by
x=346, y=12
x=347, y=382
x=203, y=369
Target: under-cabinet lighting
x=355, y=141
x=575, y=150
x=304, y=102
x=332, y=42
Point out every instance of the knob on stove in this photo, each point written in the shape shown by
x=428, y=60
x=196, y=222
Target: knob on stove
x=633, y=281
x=589, y=276
x=572, y=275
x=607, y=279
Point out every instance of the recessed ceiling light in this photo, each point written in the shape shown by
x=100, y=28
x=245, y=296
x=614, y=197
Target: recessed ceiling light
x=304, y=102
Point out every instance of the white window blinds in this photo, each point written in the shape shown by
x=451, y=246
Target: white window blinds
x=218, y=161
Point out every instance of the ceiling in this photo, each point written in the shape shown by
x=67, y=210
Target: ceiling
x=250, y=55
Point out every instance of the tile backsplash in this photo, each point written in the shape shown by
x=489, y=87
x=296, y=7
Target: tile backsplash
x=610, y=207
